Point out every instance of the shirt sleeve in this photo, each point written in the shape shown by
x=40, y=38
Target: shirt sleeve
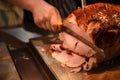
x=10, y=15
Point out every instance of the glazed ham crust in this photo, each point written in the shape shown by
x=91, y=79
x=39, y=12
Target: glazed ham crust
x=101, y=22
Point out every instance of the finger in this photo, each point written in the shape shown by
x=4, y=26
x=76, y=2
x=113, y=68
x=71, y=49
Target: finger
x=50, y=26
x=54, y=28
x=41, y=24
x=38, y=21
x=47, y=23
x=55, y=19
x=59, y=22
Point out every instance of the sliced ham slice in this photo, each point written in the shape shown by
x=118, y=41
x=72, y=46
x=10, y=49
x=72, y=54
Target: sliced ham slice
x=75, y=45
x=70, y=60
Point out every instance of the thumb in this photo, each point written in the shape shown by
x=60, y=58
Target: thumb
x=56, y=20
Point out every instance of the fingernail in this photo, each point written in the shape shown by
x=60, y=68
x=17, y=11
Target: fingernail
x=59, y=23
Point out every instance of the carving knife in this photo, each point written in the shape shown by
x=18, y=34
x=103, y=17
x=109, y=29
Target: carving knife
x=80, y=35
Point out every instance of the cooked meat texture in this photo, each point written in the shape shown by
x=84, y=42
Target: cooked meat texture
x=107, y=75
x=70, y=60
x=101, y=23
x=71, y=43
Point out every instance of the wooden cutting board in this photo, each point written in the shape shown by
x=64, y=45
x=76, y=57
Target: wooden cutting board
x=61, y=73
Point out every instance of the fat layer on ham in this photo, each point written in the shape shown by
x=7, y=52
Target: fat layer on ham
x=101, y=22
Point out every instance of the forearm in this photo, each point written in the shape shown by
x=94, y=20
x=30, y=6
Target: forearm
x=45, y=15
x=28, y=5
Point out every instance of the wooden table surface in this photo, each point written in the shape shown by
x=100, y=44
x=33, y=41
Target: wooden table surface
x=7, y=67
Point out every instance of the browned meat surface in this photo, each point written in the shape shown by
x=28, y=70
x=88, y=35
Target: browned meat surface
x=101, y=22
x=108, y=75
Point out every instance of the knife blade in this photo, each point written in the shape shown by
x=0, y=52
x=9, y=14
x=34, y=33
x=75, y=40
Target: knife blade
x=70, y=29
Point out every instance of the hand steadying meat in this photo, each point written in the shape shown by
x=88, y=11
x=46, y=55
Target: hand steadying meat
x=45, y=15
